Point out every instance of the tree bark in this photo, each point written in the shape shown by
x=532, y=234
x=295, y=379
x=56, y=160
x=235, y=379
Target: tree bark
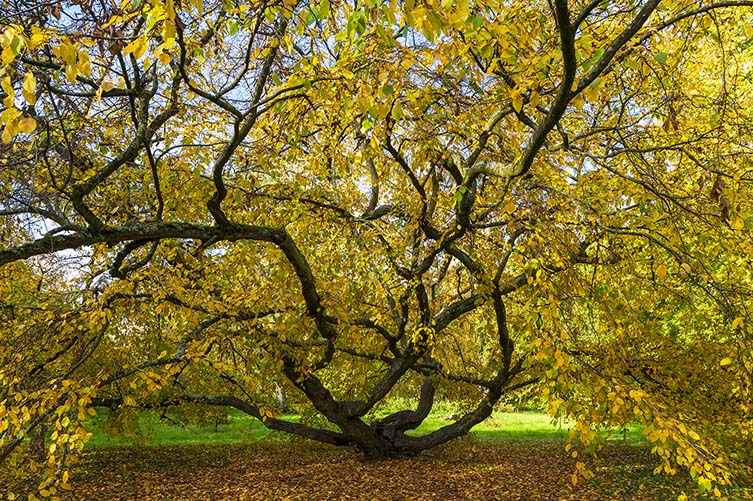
x=282, y=399
x=401, y=421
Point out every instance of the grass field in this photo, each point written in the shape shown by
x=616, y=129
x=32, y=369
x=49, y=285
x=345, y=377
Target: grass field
x=240, y=428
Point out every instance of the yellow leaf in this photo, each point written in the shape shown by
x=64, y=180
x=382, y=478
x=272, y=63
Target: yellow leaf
x=725, y=361
x=737, y=223
x=8, y=55
x=661, y=271
x=37, y=37
x=169, y=34
x=461, y=13
x=591, y=93
x=578, y=101
x=636, y=395
x=27, y=125
x=137, y=47
x=693, y=435
x=517, y=102
x=7, y=86
x=686, y=267
x=71, y=72
x=737, y=322
x=84, y=64
x=29, y=87
x=68, y=54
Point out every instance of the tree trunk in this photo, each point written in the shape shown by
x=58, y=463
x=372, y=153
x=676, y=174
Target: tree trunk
x=282, y=399
x=373, y=444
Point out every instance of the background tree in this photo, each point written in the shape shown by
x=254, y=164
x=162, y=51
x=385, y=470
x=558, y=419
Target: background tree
x=352, y=201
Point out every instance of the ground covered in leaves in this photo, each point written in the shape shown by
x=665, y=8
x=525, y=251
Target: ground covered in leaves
x=465, y=470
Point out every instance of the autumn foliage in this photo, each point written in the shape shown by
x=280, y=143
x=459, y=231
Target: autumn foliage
x=207, y=203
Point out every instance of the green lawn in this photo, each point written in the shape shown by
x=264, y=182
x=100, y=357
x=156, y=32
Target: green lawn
x=152, y=430
x=241, y=428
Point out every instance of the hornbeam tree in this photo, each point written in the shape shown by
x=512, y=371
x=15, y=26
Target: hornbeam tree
x=205, y=202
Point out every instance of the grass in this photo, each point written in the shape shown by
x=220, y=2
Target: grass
x=241, y=428
x=153, y=430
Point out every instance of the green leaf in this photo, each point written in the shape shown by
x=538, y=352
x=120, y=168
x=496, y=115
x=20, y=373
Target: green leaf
x=16, y=44
x=324, y=10
x=397, y=112
x=593, y=59
x=384, y=35
x=311, y=17
x=704, y=484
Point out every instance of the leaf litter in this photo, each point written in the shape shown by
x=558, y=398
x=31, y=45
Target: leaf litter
x=462, y=470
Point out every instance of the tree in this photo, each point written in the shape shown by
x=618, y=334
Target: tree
x=350, y=201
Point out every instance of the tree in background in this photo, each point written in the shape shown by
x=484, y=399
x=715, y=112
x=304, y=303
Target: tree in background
x=210, y=202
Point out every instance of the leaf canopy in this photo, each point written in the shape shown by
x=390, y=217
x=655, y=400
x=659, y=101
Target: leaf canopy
x=204, y=202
